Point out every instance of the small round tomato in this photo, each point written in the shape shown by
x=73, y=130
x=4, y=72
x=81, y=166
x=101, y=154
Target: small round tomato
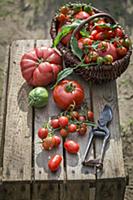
x=102, y=46
x=68, y=92
x=42, y=133
x=108, y=59
x=126, y=43
x=64, y=132
x=118, y=32
x=82, y=118
x=74, y=115
x=84, y=41
x=54, y=123
x=63, y=121
x=100, y=60
x=93, y=56
x=93, y=34
x=61, y=17
x=71, y=146
x=82, y=15
x=64, y=10
x=82, y=130
x=87, y=59
x=57, y=140
x=48, y=143
x=54, y=162
x=72, y=128
x=90, y=115
x=121, y=51
x=101, y=36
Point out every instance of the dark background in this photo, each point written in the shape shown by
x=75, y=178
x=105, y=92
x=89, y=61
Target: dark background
x=30, y=19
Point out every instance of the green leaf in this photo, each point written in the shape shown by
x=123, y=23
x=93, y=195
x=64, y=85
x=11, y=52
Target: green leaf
x=88, y=8
x=75, y=49
x=64, y=31
x=84, y=33
x=63, y=74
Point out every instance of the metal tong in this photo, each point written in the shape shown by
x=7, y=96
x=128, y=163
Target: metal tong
x=101, y=131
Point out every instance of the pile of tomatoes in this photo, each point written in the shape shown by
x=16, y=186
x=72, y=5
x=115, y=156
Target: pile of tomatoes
x=68, y=123
x=101, y=41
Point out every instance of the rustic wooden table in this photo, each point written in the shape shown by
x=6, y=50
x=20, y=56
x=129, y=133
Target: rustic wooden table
x=25, y=175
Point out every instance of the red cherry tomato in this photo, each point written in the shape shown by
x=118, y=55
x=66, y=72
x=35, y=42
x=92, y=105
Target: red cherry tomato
x=93, y=56
x=72, y=128
x=82, y=130
x=54, y=162
x=68, y=92
x=74, y=115
x=121, y=51
x=48, y=143
x=64, y=132
x=55, y=123
x=90, y=115
x=71, y=146
x=118, y=32
x=42, y=133
x=82, y=15
x=82, y=118
x=84, y=41
x=93, y=34
x=87, y=59
x=57, y=140
x=63, y=121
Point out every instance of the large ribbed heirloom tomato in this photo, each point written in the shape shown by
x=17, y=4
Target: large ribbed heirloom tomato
x=41, y=66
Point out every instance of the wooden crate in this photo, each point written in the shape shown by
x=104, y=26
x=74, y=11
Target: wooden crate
x=24, y=174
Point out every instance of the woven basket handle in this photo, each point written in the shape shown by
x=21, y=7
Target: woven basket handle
x=102, y=14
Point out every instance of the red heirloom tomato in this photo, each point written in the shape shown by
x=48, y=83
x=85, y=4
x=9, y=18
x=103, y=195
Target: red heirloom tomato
x=71, y=146
x=54, y=162
x=41, y=66
x=68, y=92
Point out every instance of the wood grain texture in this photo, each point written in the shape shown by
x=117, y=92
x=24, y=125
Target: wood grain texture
x=15, y=191
x=18, y=131
x=75, y=169
x=113, y=165
x=45, y=191
x=3, y=105
x=41, y=158
x=75, y=191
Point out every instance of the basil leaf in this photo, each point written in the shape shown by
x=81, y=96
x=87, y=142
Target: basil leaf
x=75, y=49
x=64, y=31
x=63, y=74
x=84, y=33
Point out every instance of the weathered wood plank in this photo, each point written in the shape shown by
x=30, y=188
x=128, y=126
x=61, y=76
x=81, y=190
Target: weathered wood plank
x=41, y=156
x=75, y=191
x=18, y=130
x=3, y=106
x=113, y=166
x=75, y=169
x=15, y=191
x=45, y=191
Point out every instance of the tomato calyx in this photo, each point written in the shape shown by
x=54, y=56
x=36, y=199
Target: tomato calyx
x=70, y=87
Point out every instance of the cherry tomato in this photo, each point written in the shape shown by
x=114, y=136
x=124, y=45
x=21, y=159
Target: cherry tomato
x=100, y=60
x=64, y=10
x=108, y=59
x=93, y=34
x=121, y=51
x=87, y=59
x=48, y=143
x=54, y=162
x=82, y=15
x=84, y=41
x=82, y=118
x=68, y=92
x=64, y=132
x=72, y=128
x=103, y=46
x=61, y=17
x=118, y=32
x=42, y=133
x=74, y=115
x=90, y=115
x=82, y=130
x=63, y=121
x=57, y=140
x=71, y=146
x=55, y=123
x=93, y=56
x=126, y=43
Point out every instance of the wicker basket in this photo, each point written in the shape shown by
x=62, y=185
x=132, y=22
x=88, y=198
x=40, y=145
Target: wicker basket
x=105, y=72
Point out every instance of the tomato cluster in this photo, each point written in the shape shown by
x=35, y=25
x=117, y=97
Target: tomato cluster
x=101, y=41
